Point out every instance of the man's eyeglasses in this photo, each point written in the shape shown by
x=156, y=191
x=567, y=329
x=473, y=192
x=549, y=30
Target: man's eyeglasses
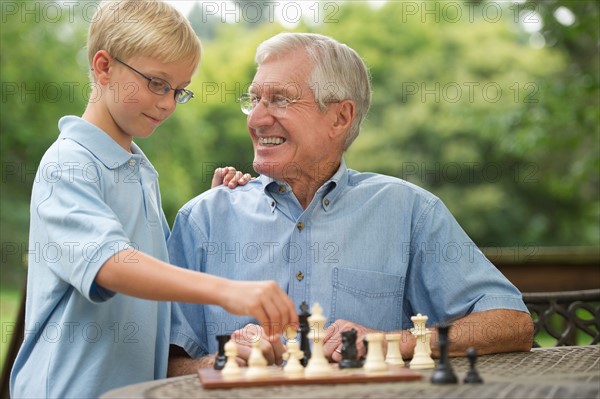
x=276, y=106
x=162, y=87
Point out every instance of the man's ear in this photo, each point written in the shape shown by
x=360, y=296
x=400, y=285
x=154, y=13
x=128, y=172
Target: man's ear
x=101, y=65
x=344, y=115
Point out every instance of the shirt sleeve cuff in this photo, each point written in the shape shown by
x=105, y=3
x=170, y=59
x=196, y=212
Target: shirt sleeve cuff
x=89, y=288
x=500, y=302
x=185, y=342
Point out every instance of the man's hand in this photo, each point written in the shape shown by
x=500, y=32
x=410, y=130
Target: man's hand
x=230, y=177
x=332, y=343
x=332, y=346
x=272, y=347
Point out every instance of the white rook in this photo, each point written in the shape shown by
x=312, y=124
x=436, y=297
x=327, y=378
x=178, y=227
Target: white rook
x=375, y=361
x=393, y=355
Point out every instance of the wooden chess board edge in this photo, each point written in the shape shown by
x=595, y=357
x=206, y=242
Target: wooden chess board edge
x=212, y=379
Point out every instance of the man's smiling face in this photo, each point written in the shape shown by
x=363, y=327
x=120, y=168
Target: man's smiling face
x=297, y=139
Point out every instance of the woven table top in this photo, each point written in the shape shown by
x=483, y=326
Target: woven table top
x=561, y=372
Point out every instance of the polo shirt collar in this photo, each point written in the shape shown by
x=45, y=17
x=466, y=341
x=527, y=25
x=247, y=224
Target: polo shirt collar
x=97, y=142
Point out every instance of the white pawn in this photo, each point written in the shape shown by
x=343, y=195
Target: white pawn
x=393, y=350
x=375, y=361
x=317, y=364
x=422, y=356
x=257, y=364
x=292, y=355
x=231, y=368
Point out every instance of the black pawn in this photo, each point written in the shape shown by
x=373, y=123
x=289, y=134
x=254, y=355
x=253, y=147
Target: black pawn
x=221, y=358
x=443, y=373
x=304, y=329
x=472, y=376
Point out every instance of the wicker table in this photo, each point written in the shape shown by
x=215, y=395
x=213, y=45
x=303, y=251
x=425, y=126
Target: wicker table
x=561, y=372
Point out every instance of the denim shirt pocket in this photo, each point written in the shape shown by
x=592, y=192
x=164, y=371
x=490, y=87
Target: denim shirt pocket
x=372, y=299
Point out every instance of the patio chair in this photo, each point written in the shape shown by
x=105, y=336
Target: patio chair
x=565, y=315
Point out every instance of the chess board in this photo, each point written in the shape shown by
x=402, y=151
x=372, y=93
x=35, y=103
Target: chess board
x=211, y=378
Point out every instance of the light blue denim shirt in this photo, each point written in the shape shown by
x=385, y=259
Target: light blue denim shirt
x=90, y=200
x=369, y=248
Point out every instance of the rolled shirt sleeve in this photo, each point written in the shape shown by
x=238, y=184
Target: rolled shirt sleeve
x=449, y=276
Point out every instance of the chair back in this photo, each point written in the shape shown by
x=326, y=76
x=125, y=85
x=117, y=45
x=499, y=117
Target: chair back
x=567, y=316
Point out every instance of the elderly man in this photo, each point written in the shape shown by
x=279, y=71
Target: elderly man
x=372, y=250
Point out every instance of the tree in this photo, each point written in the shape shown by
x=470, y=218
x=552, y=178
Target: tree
x=506, y=134
x=43, y=76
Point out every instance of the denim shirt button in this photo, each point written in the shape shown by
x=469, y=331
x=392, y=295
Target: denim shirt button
x=300, y=276
x=300, y=226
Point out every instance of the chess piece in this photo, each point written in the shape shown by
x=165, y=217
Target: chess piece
x=422, y=356
x=304, y=329
x=393, y=355
x=375, y=361
x=349, y=351
x=293, y=355
x=443, y=373
x=364, y=357
x=231, y=368
x=221, y=359
x=257, y=364
x=472, y=376
x=317, y=364
x=428, y=341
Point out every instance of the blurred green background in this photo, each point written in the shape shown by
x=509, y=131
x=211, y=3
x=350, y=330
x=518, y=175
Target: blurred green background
x=492, y=106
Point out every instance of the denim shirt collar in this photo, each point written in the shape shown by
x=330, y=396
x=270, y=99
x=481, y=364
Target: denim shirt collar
x=326, y=194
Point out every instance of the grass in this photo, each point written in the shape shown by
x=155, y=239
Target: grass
x=9, y=306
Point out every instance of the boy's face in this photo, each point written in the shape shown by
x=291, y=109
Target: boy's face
x=135, y=110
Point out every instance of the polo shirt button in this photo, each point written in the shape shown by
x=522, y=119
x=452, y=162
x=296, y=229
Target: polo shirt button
x=299, y=276
x=132, y=162
x=300, y=226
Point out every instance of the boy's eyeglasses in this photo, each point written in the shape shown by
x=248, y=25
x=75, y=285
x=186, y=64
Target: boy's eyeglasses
x=162, y=87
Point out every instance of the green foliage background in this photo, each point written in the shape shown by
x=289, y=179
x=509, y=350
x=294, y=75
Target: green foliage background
x=505, y=133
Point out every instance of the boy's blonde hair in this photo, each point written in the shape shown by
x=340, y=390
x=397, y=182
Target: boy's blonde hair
x=150, y=28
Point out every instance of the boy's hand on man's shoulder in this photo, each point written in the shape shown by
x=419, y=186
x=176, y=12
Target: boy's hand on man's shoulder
x=230, y=177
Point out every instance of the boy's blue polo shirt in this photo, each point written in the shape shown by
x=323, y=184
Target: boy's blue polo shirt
x=90, y=200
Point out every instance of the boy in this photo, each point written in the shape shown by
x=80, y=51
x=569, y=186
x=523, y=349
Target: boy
x=98, y=278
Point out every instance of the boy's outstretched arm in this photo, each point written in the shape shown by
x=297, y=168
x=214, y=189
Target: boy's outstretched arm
x=136, y=274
